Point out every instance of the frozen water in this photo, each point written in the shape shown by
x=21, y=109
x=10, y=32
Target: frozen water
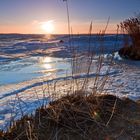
x=28, y=63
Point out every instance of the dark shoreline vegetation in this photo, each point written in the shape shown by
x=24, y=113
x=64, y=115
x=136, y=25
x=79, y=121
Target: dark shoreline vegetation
x=132, y=53
x=83, y=116
x=131, y=27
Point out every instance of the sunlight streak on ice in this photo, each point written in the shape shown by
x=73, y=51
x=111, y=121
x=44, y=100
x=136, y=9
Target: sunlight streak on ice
x=46, y=62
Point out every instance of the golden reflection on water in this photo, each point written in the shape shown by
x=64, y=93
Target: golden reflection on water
x=48, y=37
x=45, y=62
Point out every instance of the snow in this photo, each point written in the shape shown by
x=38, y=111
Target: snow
x=31, y=66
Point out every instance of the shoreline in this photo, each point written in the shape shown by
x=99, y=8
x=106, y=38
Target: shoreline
x=98, y=111
x=30, y=100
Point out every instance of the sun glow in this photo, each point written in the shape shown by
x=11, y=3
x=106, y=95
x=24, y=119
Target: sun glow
x=47, y=26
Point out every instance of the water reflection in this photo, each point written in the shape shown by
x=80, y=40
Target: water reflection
x=46, y=62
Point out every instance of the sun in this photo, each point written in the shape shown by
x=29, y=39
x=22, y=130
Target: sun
x=47, y=26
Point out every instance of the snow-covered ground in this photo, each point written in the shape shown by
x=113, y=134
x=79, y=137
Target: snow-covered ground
x=33, y=68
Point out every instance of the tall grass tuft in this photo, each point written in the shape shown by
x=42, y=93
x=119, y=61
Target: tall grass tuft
x=80, y=111
x=131, y=27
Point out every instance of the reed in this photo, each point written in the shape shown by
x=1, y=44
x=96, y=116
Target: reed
x=77, y=112
x=131, y=27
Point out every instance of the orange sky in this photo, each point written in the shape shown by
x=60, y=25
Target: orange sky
x=59, y=27
x=25, y=16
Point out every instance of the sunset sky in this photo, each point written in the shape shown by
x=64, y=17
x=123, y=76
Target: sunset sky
x=32, y=16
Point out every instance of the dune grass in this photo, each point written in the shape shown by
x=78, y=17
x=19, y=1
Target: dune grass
x=132, y=53
x=131, y=27
x=79, y=114
x=82, y=116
